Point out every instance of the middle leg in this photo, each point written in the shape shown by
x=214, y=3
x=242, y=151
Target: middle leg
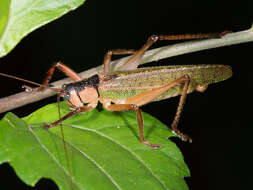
x=108, y=56
x=127, y=107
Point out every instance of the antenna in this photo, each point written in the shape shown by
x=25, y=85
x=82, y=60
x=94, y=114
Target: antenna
x=31, y=82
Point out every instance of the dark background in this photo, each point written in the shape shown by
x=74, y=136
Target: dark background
x=219, y=120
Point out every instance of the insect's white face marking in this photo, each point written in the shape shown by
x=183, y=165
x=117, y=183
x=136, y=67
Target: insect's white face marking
x=72, y=92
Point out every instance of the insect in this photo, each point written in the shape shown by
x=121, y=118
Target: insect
x=131, y=87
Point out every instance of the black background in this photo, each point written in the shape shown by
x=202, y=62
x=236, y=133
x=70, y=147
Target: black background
x=219, y=120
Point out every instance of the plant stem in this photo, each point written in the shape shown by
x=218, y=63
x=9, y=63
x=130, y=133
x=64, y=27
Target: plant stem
x=24, y=98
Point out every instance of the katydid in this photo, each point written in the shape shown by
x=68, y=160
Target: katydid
x=131, y=87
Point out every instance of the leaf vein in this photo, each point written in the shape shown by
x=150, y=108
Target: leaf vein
x=49, y=153
x=92, y=161
x=136, y=156
x=98, y=165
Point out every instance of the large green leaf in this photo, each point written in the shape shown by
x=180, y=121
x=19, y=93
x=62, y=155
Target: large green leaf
x=20, y=17
x=103, y=148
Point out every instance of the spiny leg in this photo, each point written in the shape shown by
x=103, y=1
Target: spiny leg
x=108, y=55
x=126, y=107
x=133, y=62
x=65, y=69
x=149, y=95
x=192, y=36
x=134, y=102
x=68, y=115
x=179, y=111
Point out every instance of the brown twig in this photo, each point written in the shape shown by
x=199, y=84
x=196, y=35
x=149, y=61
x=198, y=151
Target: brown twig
x=24, y=98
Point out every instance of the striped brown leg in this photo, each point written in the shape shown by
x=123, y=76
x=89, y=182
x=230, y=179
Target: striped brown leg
x=65, y=69
x=68, y=115
x=108, y=55
x=134, y=61
x=133, y=103
x=127, y=107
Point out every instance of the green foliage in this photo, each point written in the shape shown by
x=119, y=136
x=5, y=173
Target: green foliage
x=103, y=147
x=20, y=17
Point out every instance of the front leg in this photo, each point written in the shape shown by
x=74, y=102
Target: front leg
x=108, y=56
x=70, y=114
x=126, y=107
x=65, y=69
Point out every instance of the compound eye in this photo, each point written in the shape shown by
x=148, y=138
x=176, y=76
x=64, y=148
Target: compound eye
x=67, y=97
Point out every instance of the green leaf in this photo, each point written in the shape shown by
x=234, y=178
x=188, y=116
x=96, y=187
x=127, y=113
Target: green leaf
x=103, y=148
x=20, y=17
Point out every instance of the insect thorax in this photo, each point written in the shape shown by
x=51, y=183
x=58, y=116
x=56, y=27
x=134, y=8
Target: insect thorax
x=80, y=92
